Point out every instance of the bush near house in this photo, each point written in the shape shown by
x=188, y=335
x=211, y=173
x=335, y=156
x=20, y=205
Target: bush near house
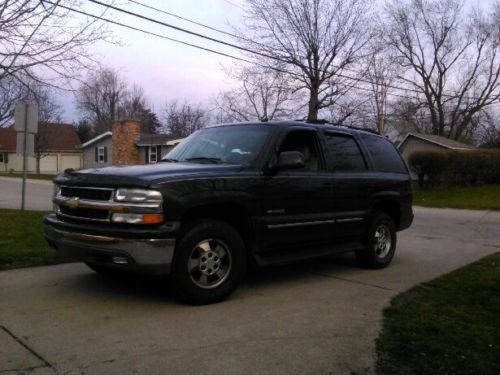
x=452, y=168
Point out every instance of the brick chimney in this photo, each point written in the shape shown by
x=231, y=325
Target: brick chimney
x=125, y=134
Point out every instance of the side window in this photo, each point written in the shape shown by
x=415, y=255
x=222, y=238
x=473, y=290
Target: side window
x=344, y=153
x=385, y=156
x=152, y=154
x=305, y=142
x=100, y=153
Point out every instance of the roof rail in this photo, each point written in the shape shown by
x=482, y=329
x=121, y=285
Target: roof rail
x=323, y=121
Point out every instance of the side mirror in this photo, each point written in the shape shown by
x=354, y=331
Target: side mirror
x=289, y=160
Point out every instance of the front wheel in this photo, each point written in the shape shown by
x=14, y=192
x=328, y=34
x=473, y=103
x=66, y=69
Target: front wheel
x=209, y=263
x=380, y=242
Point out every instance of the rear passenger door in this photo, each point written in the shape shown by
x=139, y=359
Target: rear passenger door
x=350, y=179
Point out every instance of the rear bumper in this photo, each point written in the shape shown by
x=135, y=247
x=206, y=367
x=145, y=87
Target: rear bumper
x=149, y=255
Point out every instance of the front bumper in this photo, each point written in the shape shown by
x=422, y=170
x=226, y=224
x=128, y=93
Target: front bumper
x=149, y=255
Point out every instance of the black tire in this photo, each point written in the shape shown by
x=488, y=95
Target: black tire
x=378, y=253
x=209, y=263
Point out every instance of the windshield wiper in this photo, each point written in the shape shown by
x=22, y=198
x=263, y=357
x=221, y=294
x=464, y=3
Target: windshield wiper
x=170, y=160
x=204, y=158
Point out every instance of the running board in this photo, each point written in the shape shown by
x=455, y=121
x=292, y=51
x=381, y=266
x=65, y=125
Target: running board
x=291, y=256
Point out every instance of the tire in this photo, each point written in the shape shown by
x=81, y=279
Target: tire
x=209, y=263
x=379, y=243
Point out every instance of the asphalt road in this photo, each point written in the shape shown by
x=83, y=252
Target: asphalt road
x=315, y=317
x=38, y=194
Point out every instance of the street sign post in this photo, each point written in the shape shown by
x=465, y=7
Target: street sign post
x=26, y=124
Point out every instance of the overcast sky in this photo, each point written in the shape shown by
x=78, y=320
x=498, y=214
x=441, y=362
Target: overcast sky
x=167, y=70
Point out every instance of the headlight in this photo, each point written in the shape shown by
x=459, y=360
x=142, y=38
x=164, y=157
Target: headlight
x=137, y=218
x=137, y=195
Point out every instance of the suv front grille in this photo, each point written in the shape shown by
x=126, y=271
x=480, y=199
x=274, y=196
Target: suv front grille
x=84, y=213
x=96, y=194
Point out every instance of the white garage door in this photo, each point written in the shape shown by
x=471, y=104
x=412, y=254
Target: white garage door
x=48, y=164
x=70, y=161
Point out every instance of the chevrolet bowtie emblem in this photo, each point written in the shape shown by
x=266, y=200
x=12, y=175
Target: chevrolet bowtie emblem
x=73, y=203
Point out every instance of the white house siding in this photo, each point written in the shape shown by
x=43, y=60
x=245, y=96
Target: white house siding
x=52, y=163
x=89, y=153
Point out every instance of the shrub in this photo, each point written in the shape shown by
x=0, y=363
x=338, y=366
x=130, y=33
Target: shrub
x=471, y=167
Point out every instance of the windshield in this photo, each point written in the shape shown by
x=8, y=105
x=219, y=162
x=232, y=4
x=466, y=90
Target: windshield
x=227, y=144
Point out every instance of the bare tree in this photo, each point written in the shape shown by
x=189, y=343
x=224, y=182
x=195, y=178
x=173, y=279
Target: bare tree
x=183, y=119
x=11, y=91
x=106, y=97
x=43, y=41
x=450, y=58
x=262, y=94
x=318, y=41
x=381, y=72
x=100, y=97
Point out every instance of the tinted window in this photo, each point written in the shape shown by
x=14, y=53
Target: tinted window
x=344, y=153
x=385, y=156
x=225, y=144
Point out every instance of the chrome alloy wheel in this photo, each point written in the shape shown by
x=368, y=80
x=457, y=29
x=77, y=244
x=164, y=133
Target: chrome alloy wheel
x=209, y=264
x=383, y=241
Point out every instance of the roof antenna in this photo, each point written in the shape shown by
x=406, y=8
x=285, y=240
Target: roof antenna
x=264, y=119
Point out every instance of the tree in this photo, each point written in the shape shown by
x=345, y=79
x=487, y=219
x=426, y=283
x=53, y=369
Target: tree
x=316, y=41
x=261, y=94
x=84, y=130
x=451, y=59
x=183, y=119
x=100, y=97
x=106, y=97
x=11, y=91
x=43, y=41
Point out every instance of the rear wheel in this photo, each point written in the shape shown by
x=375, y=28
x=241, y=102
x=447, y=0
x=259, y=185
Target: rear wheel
x=209, y=263
x=380, y=242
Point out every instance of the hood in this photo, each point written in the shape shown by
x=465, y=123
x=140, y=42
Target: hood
x=142, y=175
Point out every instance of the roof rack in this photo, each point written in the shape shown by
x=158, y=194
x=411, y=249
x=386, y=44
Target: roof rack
x=323, y=121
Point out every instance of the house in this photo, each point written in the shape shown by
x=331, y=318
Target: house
x=56, y=148
x=125, y=144
x=413, y=142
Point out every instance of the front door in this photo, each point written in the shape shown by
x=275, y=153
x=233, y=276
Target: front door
x=296, y=203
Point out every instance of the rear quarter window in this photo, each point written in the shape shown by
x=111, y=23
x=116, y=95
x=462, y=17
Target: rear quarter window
x=385, y=156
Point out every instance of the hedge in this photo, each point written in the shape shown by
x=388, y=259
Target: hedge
x=466, y=168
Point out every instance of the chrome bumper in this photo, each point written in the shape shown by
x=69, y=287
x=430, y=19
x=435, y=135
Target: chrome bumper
x=141, y=253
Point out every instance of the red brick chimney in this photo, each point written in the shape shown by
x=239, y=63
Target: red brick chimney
x=125, y=134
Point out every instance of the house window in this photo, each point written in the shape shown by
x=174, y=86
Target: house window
x=2, y=157
x=101, y=154
x=153, y=154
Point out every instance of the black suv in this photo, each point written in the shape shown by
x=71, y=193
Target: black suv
x=227, y=195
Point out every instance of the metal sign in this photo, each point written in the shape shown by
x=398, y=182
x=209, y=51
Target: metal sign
x=26, y=114
x=26, y=125
x=30, y=144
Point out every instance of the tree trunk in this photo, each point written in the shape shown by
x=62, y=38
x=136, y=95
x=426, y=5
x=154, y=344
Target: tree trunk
x=312, y=115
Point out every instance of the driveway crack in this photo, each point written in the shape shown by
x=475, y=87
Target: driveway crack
x=354, y=281
x=28, y=348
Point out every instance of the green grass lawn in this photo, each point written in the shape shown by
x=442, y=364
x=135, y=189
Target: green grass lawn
x=475, y=197
x=33, y=176
x=447, y=326
x=21, y=240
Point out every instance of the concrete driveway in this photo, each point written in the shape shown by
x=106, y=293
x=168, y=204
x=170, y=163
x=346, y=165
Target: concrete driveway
x=316, y=317
x=38, y=194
